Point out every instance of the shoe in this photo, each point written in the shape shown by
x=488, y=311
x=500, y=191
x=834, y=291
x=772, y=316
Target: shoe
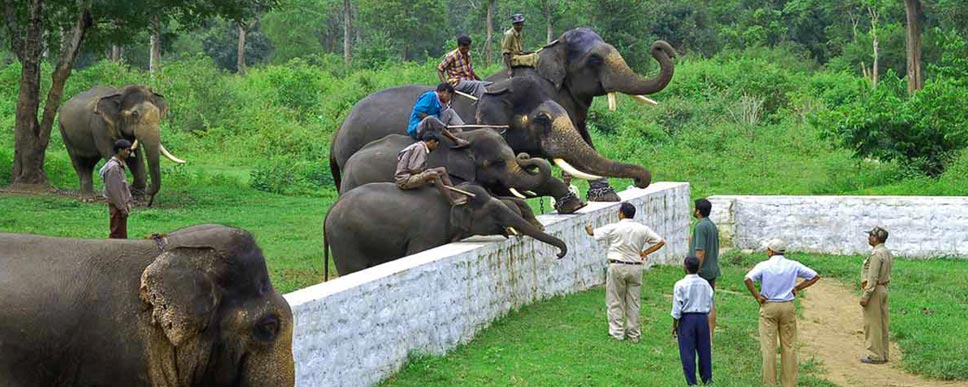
x=868, y=360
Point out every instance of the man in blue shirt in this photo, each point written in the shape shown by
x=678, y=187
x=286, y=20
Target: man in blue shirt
x=432, y=113
x=692, y=299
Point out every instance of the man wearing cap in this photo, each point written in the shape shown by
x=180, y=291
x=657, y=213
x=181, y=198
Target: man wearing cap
x=116, y=190
x=778, y=287
x=457, y=69
x=874, y=278
x=512, y=48
x=623, y=282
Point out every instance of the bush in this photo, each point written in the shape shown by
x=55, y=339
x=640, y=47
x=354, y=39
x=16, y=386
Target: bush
x=288, y=176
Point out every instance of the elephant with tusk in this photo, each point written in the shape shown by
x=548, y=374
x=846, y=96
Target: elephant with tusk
x=92, y=121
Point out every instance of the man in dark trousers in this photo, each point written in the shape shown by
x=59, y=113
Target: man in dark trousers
x=116, y=190
x=692, y=299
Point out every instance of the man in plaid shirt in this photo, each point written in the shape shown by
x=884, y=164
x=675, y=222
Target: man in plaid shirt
x=457, y=69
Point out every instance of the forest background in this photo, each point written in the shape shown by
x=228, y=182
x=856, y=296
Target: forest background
x=769, y=97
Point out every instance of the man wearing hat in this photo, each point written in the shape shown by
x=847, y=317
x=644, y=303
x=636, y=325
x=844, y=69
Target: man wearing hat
x=116, y=190
x=874, y=279
x=512, y=48
x=778, y=287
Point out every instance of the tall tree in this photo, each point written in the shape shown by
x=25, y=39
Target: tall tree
x=489, y=42
x=154, y=62
x=915, y=78
x=347, y=33
x=240, y=52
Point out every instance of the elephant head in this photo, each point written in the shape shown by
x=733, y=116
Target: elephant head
x=135, y=112
x=540, y=126
x=210, y=314
x=486, y=215
x=490, y=162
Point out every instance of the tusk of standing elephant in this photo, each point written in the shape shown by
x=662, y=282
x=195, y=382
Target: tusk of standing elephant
x=169, y=155
x=611, y=101
x=134, y=145
x=531, y=194
x=516, y=193
x=644, y=100
x=574, y=172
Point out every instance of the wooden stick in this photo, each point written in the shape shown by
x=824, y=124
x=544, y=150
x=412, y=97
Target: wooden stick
x=477, y=126
x=458, y=190
x=465, y=95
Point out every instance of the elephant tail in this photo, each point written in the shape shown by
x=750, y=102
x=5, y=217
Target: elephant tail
x=334, y=169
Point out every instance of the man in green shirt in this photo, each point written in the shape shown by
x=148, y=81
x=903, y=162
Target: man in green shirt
x=705, y=246
x=512, y=47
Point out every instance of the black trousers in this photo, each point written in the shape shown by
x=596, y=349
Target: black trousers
x=694, y=338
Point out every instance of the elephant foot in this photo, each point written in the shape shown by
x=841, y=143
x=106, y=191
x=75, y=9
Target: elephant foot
x=603, y=194
x=88, y=197
x=569, y=203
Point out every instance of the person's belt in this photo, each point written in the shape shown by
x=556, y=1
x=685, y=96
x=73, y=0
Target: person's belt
x=623, y=262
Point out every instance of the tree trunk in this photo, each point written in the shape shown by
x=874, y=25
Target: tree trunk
x=488, y=44
x=154, y=63
x=347, y=33
x=915, y=78
x=875, y=17
x=240, y=64
x=547, y=15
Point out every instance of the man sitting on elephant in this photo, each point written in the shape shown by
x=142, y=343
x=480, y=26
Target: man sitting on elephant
x=512, y=47
x=412, y=169
x=458, y=70
x=432, y=113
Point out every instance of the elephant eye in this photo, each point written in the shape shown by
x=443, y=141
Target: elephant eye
x=267, y=328
x=595, y=60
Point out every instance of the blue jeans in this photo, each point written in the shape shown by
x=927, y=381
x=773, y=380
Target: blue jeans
x=694, y=338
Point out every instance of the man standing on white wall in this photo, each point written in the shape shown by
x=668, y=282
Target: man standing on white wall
x=623, y=282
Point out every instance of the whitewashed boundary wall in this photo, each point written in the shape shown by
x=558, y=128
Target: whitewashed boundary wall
x=920, y=226
x=359, y=329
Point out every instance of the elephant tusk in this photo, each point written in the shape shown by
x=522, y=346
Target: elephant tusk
x=516, y=193
x=134, y=145
x=169, y=155
x=531, y=194
x=644, y=100
x=611, y=101
x=561, y=163
x=512, y=231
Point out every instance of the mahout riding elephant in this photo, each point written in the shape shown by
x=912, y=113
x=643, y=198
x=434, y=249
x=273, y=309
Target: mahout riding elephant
x=192, y=308
x=537, y=124
x=488, y=162
x=581, y=66
x=378, y=222
x=92, y=121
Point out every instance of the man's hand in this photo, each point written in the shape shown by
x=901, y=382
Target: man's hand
x=760, y=299
x=863, y=285
x=589, y=230
x=674, y=333
x=430, y=178
x=863, y=301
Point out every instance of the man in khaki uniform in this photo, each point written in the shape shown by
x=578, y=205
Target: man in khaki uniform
x=874, y=278
x=512, y=48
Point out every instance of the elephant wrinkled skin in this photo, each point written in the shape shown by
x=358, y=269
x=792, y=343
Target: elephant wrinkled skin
x=195, y=310
x=92, y=121
x=378, y=222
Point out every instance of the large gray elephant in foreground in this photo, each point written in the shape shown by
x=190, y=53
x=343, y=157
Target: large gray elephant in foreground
x=195, y=308
x=92, y=121
x=537, y=125
x=378, y=222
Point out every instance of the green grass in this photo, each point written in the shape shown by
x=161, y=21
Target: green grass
x=564, y=342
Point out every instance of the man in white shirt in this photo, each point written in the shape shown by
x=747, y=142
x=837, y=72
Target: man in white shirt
x=692, y=300
x=623, y=283
x=778, y=287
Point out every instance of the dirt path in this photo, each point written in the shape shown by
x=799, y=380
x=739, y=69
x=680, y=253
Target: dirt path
x=831, y=330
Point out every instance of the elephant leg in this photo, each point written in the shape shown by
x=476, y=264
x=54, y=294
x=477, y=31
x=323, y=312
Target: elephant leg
x=84, y=166
x=136, y=165
x=600, y=191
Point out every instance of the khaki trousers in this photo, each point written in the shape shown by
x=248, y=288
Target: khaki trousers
x=623, y=287
x=779, y=318
x=875, y=324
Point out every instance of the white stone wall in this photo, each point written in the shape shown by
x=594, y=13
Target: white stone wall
x=919, y=226
x=358, y=329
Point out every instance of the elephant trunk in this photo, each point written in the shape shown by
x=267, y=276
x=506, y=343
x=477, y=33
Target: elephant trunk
x=532, y=231
x=621, y=78
x=527, y=180
x=152, y=151
x=568, y=146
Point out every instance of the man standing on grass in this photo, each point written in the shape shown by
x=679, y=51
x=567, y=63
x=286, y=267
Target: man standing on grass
x=778, y=287
x=874, y=279
x=705, y=246
x=623, y=282
x=457, y=70
x=692, y=299
x=116, y=190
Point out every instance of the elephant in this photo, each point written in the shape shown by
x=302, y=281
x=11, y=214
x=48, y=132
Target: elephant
x=581, y=66
x=536, y=124
x=194, y=307
x=92, y=121
x=378, y=222
x=488, y=161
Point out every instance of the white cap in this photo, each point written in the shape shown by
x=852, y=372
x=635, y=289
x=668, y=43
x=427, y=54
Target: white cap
x=777, y=245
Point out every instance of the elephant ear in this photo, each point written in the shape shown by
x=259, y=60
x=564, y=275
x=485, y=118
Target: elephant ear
x=161, y=103
x=180, y=291
x=551, y=63
x=109, y=108
x=460, y=163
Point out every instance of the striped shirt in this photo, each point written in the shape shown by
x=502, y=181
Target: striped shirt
x=691, y=294
x=457, y=66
